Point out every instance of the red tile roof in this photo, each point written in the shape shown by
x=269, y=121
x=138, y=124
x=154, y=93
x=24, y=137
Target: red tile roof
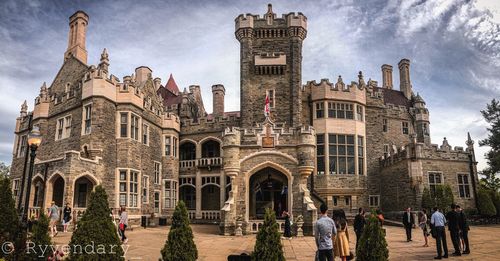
x=171, y=85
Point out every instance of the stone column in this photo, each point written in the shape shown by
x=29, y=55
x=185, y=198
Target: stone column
x=198, y=194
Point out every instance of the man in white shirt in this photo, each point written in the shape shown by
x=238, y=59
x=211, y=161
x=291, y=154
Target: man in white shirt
x=438, y=221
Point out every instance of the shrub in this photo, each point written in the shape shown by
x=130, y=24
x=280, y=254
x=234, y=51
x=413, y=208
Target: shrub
x=10, y=226
x=96, y=228
x=427, y=200
x=268, y=244
x=372, y=244
x=485, y=204
x=40, y=239
x=180, y=245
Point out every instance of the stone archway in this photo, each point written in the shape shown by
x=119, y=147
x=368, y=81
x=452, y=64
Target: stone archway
x=268, y=188
x=58, y=185
x=83, y=186
x=187, y=193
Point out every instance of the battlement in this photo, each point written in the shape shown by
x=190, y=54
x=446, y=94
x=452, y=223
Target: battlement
x=270, y=20
x=209, y=124
x=171, y=121
x=356, y=91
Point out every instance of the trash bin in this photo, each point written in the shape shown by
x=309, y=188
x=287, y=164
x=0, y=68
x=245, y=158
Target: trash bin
x=162, y=221
x=242, y=257
x=144, y=221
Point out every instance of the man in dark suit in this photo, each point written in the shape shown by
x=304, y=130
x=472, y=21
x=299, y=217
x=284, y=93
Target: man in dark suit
x=408, y=222
x=359, y=225
x=464, y=228
x=452, y=216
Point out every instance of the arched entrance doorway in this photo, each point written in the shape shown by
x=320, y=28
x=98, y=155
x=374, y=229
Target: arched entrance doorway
x=268, y=189
x=58, y=191
x=83, y=187
x=210, y=197
x=38, y=192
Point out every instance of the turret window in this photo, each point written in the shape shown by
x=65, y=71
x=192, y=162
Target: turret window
x=170, y=144
x=384, y=125
x=320, y=110
x=425, y=129
x=342, y=111
x=23, y=142
x=405, y=127
x=361, y=155
x=359, y=113
x=123, y=124
x=145, y=134
x=270, y=94
x=134, y=127
x=320, y=154
x=87, y=119
x=341, y=154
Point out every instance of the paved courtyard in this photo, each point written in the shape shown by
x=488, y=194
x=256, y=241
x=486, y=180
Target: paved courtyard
x=145, y=244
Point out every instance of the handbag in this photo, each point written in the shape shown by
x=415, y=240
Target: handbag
x=351, y=256
x=122, y=226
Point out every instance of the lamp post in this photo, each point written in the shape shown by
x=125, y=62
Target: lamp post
x=34, y=140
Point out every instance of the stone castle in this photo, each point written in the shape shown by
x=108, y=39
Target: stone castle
x=349, y=145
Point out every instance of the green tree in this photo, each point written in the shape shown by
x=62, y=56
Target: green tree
x=485, y=204
x=10, y=226
x=372, y=244
x=491, y=174
x=268, y=244
x=427, y=200
x=96, y=228
x=443, y=197
x=4, y=170
x=40, y=239
x=180, y=245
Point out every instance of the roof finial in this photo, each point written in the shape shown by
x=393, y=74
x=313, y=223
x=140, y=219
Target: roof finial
x=24, y=109
x=269, y=8
x=469, y=141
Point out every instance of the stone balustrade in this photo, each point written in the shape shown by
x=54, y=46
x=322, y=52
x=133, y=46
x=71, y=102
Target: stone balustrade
x=210, y=214
x=210, y=162
x=187, y=164
x=254, y=225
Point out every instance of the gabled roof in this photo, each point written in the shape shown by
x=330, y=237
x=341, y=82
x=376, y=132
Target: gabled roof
x=169, y=98
x=172, y=86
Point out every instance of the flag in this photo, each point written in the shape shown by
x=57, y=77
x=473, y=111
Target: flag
x=266, y=106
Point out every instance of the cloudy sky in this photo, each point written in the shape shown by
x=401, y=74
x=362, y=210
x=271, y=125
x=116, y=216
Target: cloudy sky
x=453, y=45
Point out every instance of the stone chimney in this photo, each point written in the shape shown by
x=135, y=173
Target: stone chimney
x=218, y=92
x=387, y=76
x=404, y=78
x=76, y=42
x=142, y=73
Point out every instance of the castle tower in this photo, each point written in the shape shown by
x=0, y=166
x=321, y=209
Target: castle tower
x=218, y=92
x=387, y=76
x=76, y=42
x=404, y=78
x=271, y=64
x=104, y=64
x=422, y=120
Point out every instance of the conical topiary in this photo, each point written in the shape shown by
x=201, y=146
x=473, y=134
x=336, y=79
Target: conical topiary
x=268, y=244
x=485, y=204
x=40, y=239
x=427, y=200
x=96, y=229
x=180, y=245
x=10, y=226
x=372, y=244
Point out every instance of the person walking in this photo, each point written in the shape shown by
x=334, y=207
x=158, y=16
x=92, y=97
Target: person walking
x=359, y=225
x=342, y=240
x=452, y=217
x=422, y=222
x=438, y=221
x=408, y=222
x=66, y=217
x=288, y=230
x=325, y=230
x=54, y=217
x=464, y=229
x=123, y=223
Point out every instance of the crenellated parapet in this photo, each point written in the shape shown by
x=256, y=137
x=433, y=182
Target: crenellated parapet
x=271, y=26
x=209, y=123
x=171, y=121
x=355, y=91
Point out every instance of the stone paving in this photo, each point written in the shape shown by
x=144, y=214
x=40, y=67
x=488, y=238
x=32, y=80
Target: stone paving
x=145, y=244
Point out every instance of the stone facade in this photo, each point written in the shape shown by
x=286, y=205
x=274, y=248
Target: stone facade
x=151, y=145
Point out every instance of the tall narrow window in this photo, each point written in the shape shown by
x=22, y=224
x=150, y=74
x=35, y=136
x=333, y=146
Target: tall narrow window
x=384, y=125
x=145, y=134
x=134, y=127
x=332, y=113
x=425, y=129
x=67, y=126
x=361, y=156
x=123, y=124
x=157, y=202
x=170, y=194
x=134, y=188
x=405, y=127
x=87, y=118
x=174, y=145
x=463, y=186
x=435, y=179
x=270, y=94
x=359, y=112
x=332, y=149
x=123, y=188
x=15, y=188
x=60, y=128
x=145, y=189
x=320, y=154
x=386, y=151
x=320, y=110
x=167, y=145
x=23, y=143
x=157, y=172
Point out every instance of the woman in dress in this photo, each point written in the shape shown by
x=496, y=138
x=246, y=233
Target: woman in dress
x=422, y=223
x=66, y=217
x=342, y=240
x=288, y=231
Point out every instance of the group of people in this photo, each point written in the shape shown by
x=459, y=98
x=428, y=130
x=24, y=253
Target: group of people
x=332, y=237
x=457, y=226
x=54, y=217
